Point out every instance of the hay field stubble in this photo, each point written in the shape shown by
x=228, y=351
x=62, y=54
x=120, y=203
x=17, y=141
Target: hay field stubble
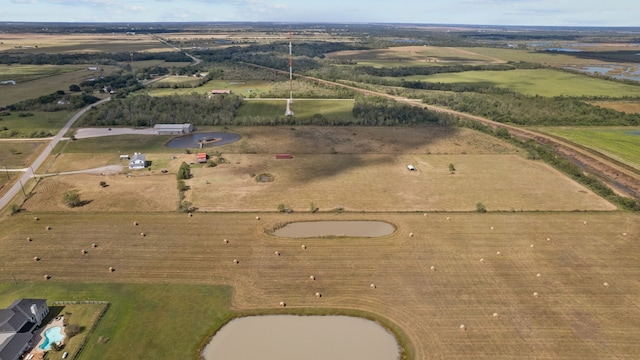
x=573, y=316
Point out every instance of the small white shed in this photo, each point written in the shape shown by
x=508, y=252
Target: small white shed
x=411, y=167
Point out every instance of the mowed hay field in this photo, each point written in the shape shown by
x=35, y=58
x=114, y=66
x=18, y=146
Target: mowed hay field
x=574, y=315
x=624, y=106
x=80, y=43
x=413, y=56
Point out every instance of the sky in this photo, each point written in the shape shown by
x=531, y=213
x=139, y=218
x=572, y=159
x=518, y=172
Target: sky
x=472, y=12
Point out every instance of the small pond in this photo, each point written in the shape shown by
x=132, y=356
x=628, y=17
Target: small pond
x=290, y=337
x=305, y=229
x=208, y=139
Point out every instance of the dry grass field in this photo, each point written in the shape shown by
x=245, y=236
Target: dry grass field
x=19, y=154
x=574, y=315
x=383, y=183
x=624, y=106
x=70, y=43
x=414, y=55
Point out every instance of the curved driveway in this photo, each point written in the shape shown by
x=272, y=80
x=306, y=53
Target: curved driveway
x=28, y=174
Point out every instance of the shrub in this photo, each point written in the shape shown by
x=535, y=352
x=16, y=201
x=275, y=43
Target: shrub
x=184, y=172
x=103, y=184
x=481, y=208
x=72, y=198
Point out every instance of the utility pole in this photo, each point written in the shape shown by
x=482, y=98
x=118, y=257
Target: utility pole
x=7, y=171
x=22, y=187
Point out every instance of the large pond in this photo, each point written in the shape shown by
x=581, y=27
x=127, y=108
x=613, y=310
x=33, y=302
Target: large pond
x=207, y=139
x=290, y=337
x=304, y=229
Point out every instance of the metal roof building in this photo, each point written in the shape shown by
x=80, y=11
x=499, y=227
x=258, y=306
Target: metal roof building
x=172, y=129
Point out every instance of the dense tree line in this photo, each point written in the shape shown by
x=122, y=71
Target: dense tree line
x=144, y=110
x=431, y=70
x=376, y=111
x=521, y=109
x=56, y=101
x=25, y=58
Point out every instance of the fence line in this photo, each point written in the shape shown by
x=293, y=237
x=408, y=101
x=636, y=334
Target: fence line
x=95, y=323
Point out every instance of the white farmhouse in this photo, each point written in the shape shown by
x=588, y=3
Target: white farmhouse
x=138, y=161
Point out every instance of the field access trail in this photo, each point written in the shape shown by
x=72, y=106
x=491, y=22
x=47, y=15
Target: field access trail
x=622, y=178
x=29, y=172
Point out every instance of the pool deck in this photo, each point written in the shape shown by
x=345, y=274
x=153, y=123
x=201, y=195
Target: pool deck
x=38, y=339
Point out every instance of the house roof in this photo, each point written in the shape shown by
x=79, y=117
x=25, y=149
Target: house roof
x=16, y=327
x=171, y=126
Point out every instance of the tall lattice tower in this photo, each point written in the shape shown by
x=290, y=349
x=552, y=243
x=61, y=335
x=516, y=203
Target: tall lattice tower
x=289, y=111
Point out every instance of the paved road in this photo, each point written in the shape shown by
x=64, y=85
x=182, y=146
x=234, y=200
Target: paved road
x=28, y=174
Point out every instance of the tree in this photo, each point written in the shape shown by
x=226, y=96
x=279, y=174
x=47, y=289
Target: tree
x=184, y=172
x=452, y=169
x=72, y=198
x=74, y=88
x=481, y=208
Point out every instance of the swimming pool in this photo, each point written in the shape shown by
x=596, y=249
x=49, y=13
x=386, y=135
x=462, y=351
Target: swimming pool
x=51, y=335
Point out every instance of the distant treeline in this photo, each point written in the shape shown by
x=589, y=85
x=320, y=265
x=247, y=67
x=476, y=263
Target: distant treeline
x=431, y=70
x=144, y=110
x=57, y=101
x=514, y=108
x=24, y=58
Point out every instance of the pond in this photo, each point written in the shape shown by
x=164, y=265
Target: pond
x=305, y=229
x=208, y=139
x=290, y=337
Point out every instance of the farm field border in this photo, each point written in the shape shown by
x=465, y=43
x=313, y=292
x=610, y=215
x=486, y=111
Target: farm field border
x=618, y=144
x=482, y=264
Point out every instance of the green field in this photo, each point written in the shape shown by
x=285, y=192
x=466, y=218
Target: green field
x=41, y=124
x=622, y=144
x=303, y=108
x=244, y=88
x=44, y=82
x=22, y=73
x=540, y=82
x=179, y=316
x=517, y=55
x=122, y=143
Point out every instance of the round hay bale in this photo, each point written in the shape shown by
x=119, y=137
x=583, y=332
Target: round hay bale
x=111, y=269
x=35, y=258
x=425, y=214
x=47, y=277
x=190, y=215
x=624, y=234
x=535, y=293
x=135, y=223
x=277, y=253
x=225, y=241
x=304, y=247
x=538, y=275
x=433, y=268
x=84, y=251
x=492, y=228
x=410, y=234
x=584, y=222
x=142, y=234
x=312, y=277
x=48, y=228
x=548, y=239
x=606, y=284
x=235, y=261
x=531, y=246
x=448, y=218
x=373, y=286
x=481, y=260
x=29, y=238
x=257, y=217
x=495, y=315
x=282, y=304
x=498, y=253
x=462, y=327
x=318, y=295
x=94, y=245
x=36, y=218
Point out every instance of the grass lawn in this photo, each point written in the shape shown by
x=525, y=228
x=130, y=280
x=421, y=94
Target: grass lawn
x=119, y=143
x=541, y=82
x=178, y=316
x=303, y=108
x=39, y=124
x=622, y=144
x=18, y=154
